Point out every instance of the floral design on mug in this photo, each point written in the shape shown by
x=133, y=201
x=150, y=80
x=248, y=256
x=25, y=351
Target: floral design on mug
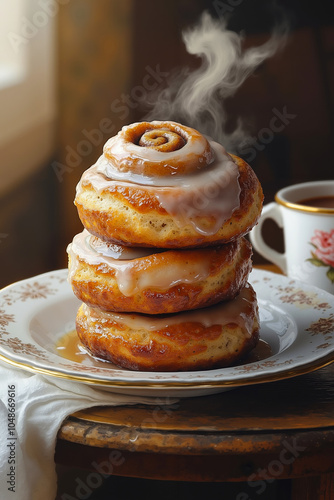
x=323, y=253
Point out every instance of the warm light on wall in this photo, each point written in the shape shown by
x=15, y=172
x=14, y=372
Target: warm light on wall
x=27, y=87
x=12, y=63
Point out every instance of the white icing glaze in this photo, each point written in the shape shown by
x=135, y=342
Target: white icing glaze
x=124, y=152
x=241, y=311
x=132, y=278
x=221, y=162
x=118, y=252
x=211, y=192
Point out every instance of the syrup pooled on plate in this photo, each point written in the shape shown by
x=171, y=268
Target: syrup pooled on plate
x=70, y=347
x=260, y=352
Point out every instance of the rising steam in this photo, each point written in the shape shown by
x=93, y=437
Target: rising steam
x=196, y=98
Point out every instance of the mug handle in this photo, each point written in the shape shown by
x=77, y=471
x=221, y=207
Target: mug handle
x=270, y=211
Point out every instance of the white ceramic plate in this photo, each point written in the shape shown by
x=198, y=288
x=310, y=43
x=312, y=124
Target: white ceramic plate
x=297, y=321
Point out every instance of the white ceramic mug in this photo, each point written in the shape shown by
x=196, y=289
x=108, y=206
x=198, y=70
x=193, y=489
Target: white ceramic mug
x=308, y=233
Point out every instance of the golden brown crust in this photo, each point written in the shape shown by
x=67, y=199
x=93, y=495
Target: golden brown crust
x=132, y=216
x=177, y=346
x=226, y=269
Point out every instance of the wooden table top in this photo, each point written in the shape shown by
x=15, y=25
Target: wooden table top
x=305, y=402
x=252, y=420
x=229, y=436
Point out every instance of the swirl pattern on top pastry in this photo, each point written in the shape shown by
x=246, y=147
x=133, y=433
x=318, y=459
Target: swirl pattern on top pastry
x=165, y=185
x=157, y=149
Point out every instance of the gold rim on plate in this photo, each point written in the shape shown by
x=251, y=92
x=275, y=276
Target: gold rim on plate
x=164, y=380
x=274, y=377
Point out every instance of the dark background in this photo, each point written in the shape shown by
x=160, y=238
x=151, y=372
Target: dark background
x=103, y=50
x=104, y=47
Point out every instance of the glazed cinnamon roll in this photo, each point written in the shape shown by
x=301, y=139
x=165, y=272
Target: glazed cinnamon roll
x=207, y=338
x=118, y=278
x=161, y=184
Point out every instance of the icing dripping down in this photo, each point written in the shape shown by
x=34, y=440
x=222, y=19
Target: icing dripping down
x=240, y=311
x=211, y=193
x=132, y=274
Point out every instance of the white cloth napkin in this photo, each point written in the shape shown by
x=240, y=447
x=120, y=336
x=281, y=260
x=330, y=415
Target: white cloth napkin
x=32, y=408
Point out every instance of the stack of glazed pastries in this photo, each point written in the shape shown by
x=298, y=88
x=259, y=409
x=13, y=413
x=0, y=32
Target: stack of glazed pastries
x=162, y=265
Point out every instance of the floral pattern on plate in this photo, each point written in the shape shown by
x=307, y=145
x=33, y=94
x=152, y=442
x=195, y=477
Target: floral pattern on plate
x=28, y=291
x=301, y=298
x=322, y=326
x=17, y=346
x=5, y=319
x=297, y=320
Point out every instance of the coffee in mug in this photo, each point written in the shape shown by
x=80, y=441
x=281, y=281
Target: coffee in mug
x=306, y=214
x=320, y=202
